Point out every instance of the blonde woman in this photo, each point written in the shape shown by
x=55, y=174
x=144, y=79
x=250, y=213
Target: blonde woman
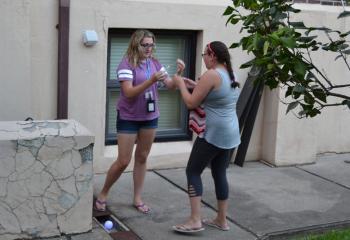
x=137, y=114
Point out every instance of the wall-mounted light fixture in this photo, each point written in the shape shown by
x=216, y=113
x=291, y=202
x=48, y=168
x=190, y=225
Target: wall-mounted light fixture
x=90, y=37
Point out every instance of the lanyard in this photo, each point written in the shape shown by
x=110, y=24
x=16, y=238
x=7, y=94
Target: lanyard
x=149, y=94
x=148, y=69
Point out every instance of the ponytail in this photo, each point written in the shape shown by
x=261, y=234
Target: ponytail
x=223, y=56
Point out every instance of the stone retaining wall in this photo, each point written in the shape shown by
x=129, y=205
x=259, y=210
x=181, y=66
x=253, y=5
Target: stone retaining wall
x=45, y=179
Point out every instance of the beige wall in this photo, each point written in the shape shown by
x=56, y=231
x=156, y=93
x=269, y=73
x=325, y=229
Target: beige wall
x=89, y=72
x=331, y=128
x=28, y=59
x=327, y=132
x=15, y=60
x=28, y=74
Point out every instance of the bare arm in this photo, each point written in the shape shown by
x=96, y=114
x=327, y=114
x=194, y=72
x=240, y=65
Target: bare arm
x=208, y=81
x=131, y=91
x=180, y=67
x=190, y=84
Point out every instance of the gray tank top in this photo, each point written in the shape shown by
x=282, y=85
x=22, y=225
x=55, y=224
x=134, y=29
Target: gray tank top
x=222, y=127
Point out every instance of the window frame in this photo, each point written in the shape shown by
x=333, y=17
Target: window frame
x=190, y=37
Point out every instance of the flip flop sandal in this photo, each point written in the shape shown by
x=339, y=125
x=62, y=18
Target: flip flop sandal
x=215, y=225
x=183, y=229
x=143, y=208
x=103, y=205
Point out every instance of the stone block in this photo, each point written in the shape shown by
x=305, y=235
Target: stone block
x=46, y=175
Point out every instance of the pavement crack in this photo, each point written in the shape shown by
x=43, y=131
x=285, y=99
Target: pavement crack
x=207, y=205
x=324, y=178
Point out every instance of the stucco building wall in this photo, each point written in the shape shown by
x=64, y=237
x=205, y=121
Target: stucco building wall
x=28, y=73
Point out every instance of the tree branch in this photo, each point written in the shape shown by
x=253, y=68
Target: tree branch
x=339, y=86
x=340, y=51
x=338, y=95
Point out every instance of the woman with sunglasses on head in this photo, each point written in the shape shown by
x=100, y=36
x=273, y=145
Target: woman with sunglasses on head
x=218, y=92
x=137, y=113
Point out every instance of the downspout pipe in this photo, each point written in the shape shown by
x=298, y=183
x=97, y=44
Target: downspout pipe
x=63, y=59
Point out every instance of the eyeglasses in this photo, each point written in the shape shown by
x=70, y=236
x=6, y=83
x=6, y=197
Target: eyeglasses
x=147, y=45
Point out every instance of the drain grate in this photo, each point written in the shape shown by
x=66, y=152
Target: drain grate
x=116, y=226
x=117, y=229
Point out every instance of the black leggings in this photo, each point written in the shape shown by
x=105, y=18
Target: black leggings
x=202, y=154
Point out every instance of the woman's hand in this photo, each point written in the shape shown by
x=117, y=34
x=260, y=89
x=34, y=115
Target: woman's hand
x=180, y=67
x=158, y=76
x=178, y=80
x=190, y=84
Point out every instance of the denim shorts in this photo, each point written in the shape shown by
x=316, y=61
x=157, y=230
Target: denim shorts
x=130, y=126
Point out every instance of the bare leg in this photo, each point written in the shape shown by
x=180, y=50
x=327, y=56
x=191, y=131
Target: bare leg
x=222, y=212
x=196, y=164
x=195, y=218
x=125, y=147
x=194, y=221
x=145, y=139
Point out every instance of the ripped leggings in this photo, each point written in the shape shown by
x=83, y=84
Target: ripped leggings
x=202, y=154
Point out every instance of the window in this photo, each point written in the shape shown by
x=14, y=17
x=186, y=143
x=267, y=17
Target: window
x=170, y=45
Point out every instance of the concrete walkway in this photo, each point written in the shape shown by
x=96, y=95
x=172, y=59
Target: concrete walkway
x=264, y=203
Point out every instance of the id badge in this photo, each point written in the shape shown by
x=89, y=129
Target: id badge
x=151, y=105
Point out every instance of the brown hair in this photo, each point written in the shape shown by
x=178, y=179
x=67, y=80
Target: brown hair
x=222, y=54
x=135, y=51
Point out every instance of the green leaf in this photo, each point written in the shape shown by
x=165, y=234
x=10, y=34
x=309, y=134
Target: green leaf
x=344, y=14
x=310, y=75
x=291, y=9
x=299, y=25
x=273, y=10
x=344, y=34
x=308, y=98
x=307, y=39
x=291, y=106
x=229, y=19
x=298, y=89
x=247, y=64
x=302, y=113
x=346, y=52
x=263, y=60
x=313, y=112
x=253, y=5
x=256, y=40
x=289, y=91
x=274, y=37
x=346, y=102
x=266, y=47
x=234, y=20
x=271, y=66
x=343, y=46
x=320, y=94
x=234, y=45
x=300, y=68
x=272, y=83
x=228, y=11
x=246, y=42
x=288, y=42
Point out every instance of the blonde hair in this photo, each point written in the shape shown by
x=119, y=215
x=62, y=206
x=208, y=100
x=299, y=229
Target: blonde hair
x=135, y=51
